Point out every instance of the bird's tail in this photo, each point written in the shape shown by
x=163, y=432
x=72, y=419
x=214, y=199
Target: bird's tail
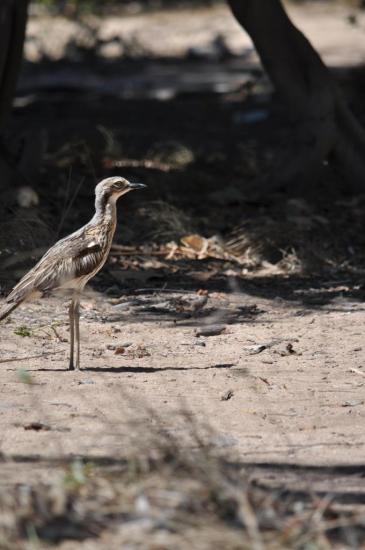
x=8, y=308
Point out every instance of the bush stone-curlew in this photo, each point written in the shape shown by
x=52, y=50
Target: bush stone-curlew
x=73, y=261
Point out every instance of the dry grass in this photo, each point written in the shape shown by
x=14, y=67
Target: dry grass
x=300, y=237
x=24, y=230
x=172, y=498
x=164, y=222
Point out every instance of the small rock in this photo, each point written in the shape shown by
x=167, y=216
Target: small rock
x=227, y=395
x=27, y=197
x=212, y=330
x=290, y=349
x=257, y=348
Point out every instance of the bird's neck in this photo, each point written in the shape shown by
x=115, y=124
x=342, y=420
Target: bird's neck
x=105, y=209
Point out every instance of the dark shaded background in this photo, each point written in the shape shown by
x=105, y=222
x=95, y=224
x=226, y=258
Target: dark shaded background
x=202, y=130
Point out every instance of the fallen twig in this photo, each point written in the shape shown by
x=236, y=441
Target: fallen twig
x=258, y=348
x=357, y=371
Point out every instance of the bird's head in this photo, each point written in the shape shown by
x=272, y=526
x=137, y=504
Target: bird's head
x=115, y=187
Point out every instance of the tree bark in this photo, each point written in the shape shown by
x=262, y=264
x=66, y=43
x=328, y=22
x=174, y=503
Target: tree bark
x=13, y=18
x=324, y=126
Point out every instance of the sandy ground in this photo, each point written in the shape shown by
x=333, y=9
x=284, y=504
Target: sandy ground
x=193, y=31
x=283, y=383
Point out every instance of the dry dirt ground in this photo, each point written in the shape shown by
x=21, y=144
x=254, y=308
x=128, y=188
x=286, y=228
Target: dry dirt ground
x=284, y=382
x=276, y=379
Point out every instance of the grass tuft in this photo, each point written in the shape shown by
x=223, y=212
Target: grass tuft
x=23, y=331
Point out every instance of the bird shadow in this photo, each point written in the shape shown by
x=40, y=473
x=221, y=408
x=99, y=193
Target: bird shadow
x=146, y=370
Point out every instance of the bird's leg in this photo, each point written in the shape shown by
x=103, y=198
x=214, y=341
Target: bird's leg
x=71, y=313
x=77, y=331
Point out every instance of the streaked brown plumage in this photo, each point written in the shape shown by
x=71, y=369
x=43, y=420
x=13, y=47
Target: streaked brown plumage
x=71, y=262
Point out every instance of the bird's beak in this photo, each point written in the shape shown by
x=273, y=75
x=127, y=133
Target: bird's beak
x=133, y=186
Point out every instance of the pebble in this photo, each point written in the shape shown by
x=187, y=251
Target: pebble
x=212, y=330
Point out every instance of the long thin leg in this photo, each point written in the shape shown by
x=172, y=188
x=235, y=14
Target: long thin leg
x=71, y=313
x=77, y=331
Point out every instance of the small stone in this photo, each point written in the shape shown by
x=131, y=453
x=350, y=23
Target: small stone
x=227, y=395
x=212, y=330
x=257, y=348
x=27, y=197
x=290, y=349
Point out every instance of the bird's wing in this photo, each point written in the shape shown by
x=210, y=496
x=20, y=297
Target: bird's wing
x=71, y=258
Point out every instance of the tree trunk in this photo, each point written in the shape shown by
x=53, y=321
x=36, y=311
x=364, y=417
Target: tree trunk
x=324, y=125
x=13, y=18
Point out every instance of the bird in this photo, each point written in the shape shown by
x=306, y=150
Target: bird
x=70, y=263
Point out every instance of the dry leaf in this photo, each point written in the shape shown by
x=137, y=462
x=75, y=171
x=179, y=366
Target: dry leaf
x=196, y=242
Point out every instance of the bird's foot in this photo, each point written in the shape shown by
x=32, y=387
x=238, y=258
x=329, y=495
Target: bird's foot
x=71, y=366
